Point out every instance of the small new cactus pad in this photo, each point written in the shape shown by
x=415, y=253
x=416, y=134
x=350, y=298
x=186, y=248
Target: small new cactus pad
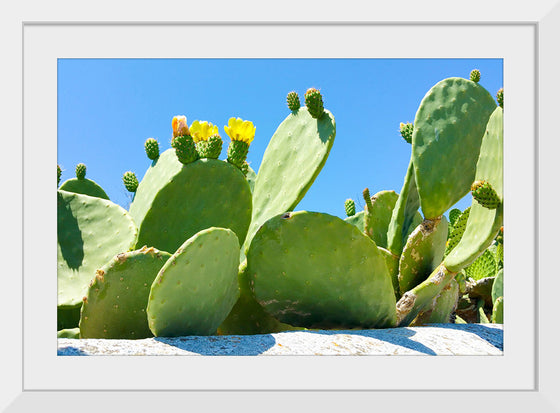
x=485, y=195
x=483, y=267
x=91, y=231
x=475, y=75
x=237, y=153
x=130, y=181
x=185, y=149
x=80, y=171
x=448, y=130
x=422, y=253
x=197, y=287
x=152, y=148
x=314, y=103
x=115, y=304
x=247, y=316
x=350, y=207
x=310, y=269
x=59, y=174
x=406, y=130
x=498, y=311
x=405, y=216
x=483, y=224
x=500, y=97
x=293, y=101
x=172, y=204
x=293, y=158
x=211, y=148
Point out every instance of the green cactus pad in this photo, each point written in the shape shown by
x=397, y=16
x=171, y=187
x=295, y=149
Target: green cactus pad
x=173, y=207
x=405, y=216
x=406, y=130
x=448, y=130
x=197, y=287
x=293, y=101
x=248, y=316
x=454, y=214
x=484, y=266
x=185, y=149
x=483, y=224
x=357, y=220
x=251, y=177
x=211, y=148
x=314, y=103
x=80, y=171
x=422, y=253
x=237, y=152
x=294, y=157
x=69, y=333
x=151, y=146
x=130, y=181
x=59, y=174
x=68, y=318
x=498, y=311
x=350, y=207
x=310, y=269
x=115, y=305
x=90, y=232
x=84, y=186
x=443, y=306
x=392, y=262
x=498, y=286
x=485, y=195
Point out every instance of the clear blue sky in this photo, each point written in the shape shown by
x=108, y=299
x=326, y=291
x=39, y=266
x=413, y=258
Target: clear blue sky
x=107, y=108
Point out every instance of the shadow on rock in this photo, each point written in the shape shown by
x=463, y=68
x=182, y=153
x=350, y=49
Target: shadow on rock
x=222, y=345
x=494, y=336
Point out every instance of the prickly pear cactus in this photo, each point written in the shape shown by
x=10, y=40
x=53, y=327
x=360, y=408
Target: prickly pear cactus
x=314, y=103
x=293, y=158
x=151, y=146
x=293, y=101
x=310, y=269
x=241, y=133
x=448, y=130
x=130, y=181
x=115, y=304
x=498, y=311
x=498, y=286
x=59, y=174
x=485, y=195
x=197, y=287
x=422, y=253
x=475, y=75
x=500, y=97
x=406, y=130
x=458, y=230
x=350, y=207
x=484, y=266
x=173, y=202
x=90, y=232
x=82, y=185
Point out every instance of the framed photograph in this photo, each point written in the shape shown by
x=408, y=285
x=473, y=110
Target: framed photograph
x=517, y=41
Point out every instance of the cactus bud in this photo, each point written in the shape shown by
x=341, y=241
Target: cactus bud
x=130, y=181
x=475, y=75
x=237, y=153
x=293, y=101
x=244, y=168
x=179, y=126
x=210, y=148
x=485, y=195
x=406, y=130
x=500, y=97
x=314, y=103
x=80, y=171
x=185, y=149
x=59, y=173
x=350, y=207
x=152, y=148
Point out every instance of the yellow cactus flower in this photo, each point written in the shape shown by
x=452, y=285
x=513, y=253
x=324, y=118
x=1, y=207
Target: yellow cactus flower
x=240, y=130
x=180, y=127
x=201, y=131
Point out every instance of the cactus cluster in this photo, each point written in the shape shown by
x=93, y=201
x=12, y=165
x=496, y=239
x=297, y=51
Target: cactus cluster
x=210, y=246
